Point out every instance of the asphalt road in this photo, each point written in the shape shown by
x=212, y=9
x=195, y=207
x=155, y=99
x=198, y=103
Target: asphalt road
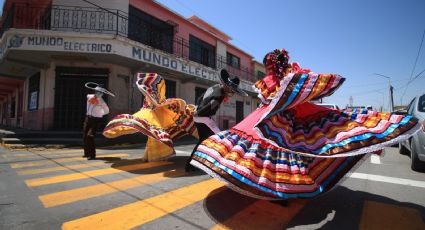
x=56, y=188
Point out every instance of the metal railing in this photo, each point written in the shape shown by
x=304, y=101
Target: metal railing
x=112, y=21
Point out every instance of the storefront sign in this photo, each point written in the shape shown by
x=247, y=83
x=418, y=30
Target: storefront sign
x=169, y=62
x=59, y=44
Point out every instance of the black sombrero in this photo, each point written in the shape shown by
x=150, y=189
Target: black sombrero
x=232, y=82
x=96, y=87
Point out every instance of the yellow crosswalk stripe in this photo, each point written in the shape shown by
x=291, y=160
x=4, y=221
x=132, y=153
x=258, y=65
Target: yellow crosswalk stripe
x=92, y=173
x=53, y=160
x=389, y=217
x=263, y=215
x=140, y=212
x=54, y=151
x=69, y=196
x=59, y=168
x=55, y=154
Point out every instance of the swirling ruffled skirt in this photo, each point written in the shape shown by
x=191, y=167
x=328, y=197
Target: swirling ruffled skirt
x=298, y=153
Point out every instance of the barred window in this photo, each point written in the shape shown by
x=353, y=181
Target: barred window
x=201, y=52
x=233, y=60
x=33, y=91
x=260, y=74
x=170, y=89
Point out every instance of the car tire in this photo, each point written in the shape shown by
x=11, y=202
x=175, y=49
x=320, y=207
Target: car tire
x=415, y=163
x=402, y=150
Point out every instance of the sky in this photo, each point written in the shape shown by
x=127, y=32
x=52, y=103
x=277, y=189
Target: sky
x=355, y=39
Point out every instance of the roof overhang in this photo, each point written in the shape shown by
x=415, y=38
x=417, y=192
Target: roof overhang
x=24, y=52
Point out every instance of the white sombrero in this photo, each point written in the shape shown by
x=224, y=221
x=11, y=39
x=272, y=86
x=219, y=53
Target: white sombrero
x=96, y=87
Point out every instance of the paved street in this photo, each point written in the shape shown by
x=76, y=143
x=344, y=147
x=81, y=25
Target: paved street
x=54, y=189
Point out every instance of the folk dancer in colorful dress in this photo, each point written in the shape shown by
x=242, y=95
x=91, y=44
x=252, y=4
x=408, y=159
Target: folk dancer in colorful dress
x=162, y=120
x=289, y=147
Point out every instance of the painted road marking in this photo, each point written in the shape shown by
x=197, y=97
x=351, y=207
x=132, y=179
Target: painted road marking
x=182, y=152
x=53, y=160
x=141, y=212
x=263, y=215
x=48, y=155
x=329, y=217
x=386, y=179
x=375, y=159
x=74, y=195
x=93, y=173
x=52, y=152
x=378, y=215
x=59, y=168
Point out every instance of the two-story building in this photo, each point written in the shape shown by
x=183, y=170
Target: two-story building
x=50, y=48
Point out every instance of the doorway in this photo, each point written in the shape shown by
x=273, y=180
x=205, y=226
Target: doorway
x=71, y=95
x=239, y=111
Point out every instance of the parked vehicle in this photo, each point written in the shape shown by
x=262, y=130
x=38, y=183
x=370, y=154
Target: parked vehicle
x=330, y=106
x=416, y=144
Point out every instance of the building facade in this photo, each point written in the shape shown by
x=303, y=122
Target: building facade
x=50, y=49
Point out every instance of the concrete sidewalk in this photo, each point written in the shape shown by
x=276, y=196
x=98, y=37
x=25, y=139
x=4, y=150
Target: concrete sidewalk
x=22, y=138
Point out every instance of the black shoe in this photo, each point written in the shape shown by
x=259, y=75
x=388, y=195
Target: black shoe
x=85, y=156
x=283, y=203
x=190, y=168
x=91, y=158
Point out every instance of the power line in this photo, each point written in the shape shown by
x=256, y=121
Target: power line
x=107, y=10
x=414, y=66
x=380, y=83
x=233, y=39
x=410, y=81
x=364, y=92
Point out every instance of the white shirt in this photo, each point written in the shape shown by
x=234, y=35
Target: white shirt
x=96, y=110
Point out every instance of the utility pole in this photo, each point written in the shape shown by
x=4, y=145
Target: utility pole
x=390, y=88
x=392, y=98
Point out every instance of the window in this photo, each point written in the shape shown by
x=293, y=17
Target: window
x=411, y=106
x=225, y=124
x=12, y=107
x=199, y=92
x=239, y=111
x=170, y=89
x=233, y=61
x=149, y=30
x=260, y=74
x=33, y=91
x=201, y=52
x=421, y=103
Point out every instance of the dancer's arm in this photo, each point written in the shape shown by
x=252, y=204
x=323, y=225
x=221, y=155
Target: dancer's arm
x=149, y=97
x=211, y=106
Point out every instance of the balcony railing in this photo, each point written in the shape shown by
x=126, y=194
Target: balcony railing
x=109, y=21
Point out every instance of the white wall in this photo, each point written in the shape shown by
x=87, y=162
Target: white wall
x=221, y=51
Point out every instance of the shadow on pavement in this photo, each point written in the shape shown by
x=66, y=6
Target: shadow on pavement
x=341, y=208
x=173, y=170
x=109, y=159
x=347, y=207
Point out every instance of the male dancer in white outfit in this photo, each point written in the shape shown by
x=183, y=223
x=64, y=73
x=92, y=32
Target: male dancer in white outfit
x=96, y=109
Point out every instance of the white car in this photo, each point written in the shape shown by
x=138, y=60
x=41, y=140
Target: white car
x=330, y=106
x=416, y=144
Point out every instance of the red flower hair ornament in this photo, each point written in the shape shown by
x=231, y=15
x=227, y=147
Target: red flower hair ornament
x=277, y=61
